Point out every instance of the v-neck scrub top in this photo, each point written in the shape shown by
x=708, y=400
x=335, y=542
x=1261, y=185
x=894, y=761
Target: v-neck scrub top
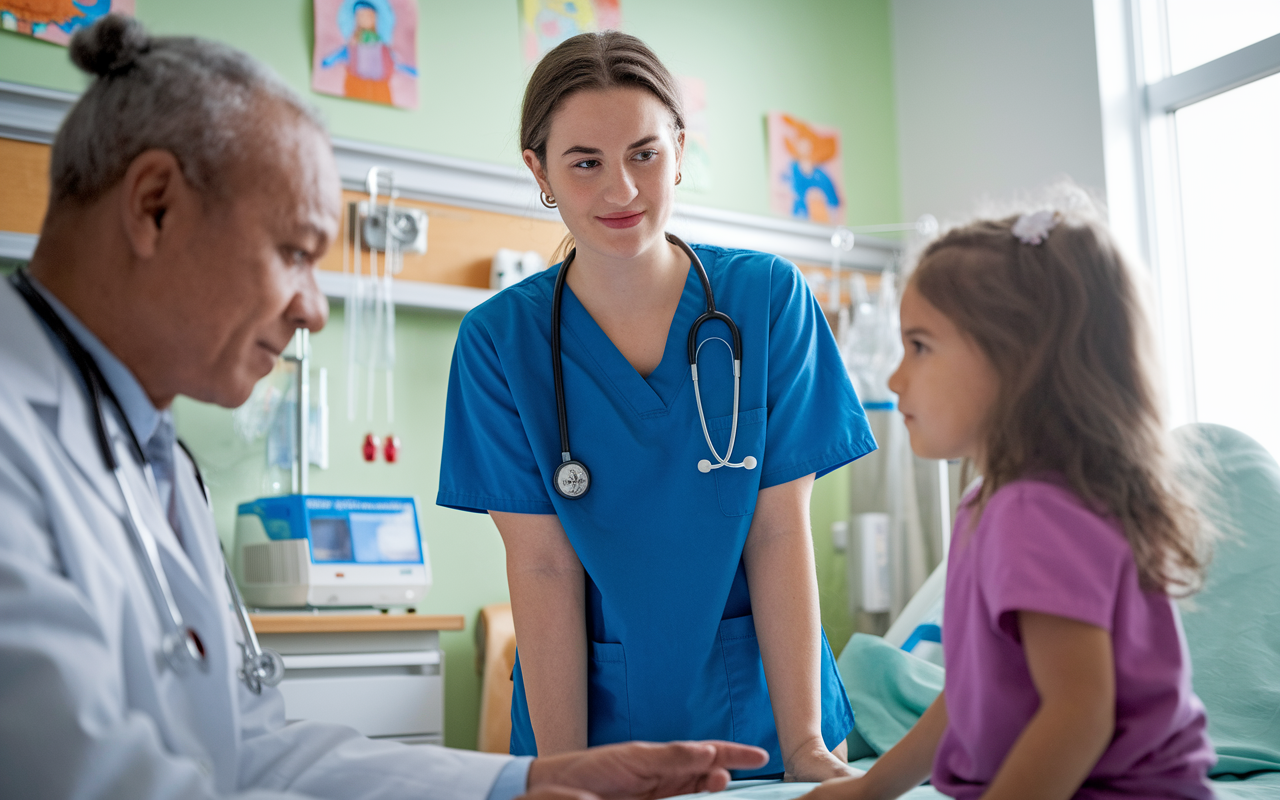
x=672, y=643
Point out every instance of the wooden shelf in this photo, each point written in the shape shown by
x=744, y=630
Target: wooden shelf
x=349, y=623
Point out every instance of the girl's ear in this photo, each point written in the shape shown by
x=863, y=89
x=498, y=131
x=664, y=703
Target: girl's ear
x=679, y=150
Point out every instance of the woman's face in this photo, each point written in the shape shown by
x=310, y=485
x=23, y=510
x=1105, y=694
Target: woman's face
x=946, y=385
x=612, y=160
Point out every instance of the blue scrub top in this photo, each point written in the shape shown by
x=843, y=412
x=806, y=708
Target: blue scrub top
x=673, y=651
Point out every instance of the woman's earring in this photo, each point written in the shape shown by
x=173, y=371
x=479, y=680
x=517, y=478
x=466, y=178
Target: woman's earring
x=678, y=177
x=549, y=201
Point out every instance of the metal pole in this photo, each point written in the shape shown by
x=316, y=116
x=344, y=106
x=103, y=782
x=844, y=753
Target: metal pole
x=301, y=457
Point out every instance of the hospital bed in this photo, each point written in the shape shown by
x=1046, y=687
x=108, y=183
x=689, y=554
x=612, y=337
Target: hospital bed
x=1232, y=629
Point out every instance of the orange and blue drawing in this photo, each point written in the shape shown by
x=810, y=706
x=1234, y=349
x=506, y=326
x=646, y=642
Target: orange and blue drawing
x=805, y=169
x=56, y=20
x=367, y=50
x=546, y=23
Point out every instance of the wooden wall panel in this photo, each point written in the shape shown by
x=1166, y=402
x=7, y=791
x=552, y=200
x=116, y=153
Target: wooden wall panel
x=24, y=185
x=461, y=242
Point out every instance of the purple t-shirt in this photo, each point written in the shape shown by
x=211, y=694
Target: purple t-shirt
x=1038, y=548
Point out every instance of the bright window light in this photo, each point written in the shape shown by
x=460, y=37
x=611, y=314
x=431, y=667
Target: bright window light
x=1229, y=170
x=1202, y=30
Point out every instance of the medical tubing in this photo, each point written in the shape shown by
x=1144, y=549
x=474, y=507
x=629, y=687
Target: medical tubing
x=94, y=382
x=145, y=542
x=97, y=386
x=697, y=396
x=556, y=370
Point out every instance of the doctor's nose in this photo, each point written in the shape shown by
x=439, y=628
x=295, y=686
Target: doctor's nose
x=309, y=308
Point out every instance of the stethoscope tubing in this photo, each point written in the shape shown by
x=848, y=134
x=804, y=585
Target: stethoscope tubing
x=181, y=645
x=692, y=346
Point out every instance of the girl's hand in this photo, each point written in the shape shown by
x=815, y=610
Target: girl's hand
x=838, y=789
x=813, y=762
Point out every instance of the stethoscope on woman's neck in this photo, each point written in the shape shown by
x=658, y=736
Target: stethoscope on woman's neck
x=181, y=646
x=572, y=479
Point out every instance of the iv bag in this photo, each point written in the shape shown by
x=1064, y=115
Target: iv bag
x=872, y=345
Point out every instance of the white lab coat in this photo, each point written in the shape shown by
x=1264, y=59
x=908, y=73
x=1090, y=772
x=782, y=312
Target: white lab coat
x=88, y=708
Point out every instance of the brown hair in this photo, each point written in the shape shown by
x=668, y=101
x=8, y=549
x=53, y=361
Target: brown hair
x=605, y=60
x=588, y=61
x=1064, y=325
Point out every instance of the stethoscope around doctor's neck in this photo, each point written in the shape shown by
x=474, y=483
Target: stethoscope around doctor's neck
x=572, y=479
x=181, y=646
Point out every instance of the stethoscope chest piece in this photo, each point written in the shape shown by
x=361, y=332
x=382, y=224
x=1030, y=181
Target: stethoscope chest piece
x=572, y=479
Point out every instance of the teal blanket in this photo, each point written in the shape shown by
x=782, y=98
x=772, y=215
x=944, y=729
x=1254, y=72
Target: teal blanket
x=1233, y=625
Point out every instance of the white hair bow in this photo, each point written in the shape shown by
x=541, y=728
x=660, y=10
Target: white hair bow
x=1033, y=228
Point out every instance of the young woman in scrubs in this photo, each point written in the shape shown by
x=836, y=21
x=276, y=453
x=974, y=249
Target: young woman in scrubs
x=665, y=603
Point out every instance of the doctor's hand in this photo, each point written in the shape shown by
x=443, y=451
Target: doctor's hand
x=642, y=770
x=558, y=793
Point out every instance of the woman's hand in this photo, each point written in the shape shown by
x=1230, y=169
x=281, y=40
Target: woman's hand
x=642, y=770
x=813, y=762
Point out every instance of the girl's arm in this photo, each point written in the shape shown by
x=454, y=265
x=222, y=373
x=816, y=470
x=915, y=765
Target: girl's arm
x=898, y=771
x=548, y=606
x=1073, y=670
x=784, y=601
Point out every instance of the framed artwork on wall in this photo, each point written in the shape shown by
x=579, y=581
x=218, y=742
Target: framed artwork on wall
x=57, y=20
x=546, y=23
x=367, y=50
x=805, y=170
x=696, y=165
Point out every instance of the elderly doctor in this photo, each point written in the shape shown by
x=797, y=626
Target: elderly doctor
x=192, y=195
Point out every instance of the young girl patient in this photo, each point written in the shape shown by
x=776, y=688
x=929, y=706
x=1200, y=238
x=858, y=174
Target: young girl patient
x=1067, y=672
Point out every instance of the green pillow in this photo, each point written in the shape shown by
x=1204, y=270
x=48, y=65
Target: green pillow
x=888, y=689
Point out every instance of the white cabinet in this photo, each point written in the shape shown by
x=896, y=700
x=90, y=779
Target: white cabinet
x=382, y=674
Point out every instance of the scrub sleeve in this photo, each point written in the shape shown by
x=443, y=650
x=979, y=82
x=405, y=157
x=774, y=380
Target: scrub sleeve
x=673, y=648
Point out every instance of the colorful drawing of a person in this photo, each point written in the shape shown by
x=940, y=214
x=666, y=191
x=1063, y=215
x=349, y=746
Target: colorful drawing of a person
x=32, y=17
x=553, y=21
x=815, y=192
x=368, y=26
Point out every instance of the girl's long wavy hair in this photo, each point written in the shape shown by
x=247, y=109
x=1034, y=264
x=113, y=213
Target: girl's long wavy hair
x=1064, y=325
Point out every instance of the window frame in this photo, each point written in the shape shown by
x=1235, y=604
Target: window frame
x=1140, y=95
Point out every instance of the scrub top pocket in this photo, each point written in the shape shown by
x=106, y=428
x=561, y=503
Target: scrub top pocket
x=608, y=702
x=737, y=488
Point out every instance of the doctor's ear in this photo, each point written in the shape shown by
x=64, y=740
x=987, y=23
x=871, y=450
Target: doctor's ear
x=150, y=187
x=679, y=154
x=538, y=169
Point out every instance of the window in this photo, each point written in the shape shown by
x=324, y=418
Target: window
x=1191, y=100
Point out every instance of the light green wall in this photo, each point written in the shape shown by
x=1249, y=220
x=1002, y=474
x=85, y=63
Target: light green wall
x=827, y=61
x=466, y=552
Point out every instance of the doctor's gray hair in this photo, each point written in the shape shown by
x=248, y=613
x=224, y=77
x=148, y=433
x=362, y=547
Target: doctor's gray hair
x=197, y=99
